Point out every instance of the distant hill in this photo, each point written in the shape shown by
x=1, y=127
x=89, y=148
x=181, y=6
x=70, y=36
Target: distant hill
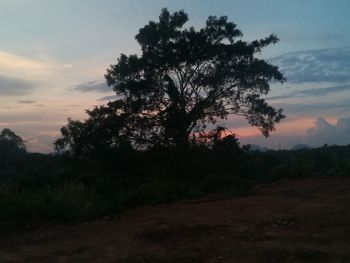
x=301, y=146
x=255, y=147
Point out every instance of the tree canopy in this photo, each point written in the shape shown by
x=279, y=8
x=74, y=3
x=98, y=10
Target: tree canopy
x=185, y=79
x=10, y=143
x=101, y=131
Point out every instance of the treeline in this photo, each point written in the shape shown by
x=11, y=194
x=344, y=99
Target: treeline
x=67, y=188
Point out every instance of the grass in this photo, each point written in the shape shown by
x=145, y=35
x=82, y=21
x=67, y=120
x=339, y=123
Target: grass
x=64, y=203
x=85, y=200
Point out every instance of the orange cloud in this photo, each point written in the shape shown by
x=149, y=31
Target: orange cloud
x=286, y=127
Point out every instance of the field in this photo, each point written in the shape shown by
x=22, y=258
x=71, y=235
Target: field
x=299, y=220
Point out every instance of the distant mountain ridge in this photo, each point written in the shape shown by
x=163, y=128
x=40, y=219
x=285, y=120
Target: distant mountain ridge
x=255, y=147
x=301, y=146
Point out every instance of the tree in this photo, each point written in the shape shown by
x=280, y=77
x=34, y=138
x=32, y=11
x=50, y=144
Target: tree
x=11, y=143
x=101, y=131
x=185, y=79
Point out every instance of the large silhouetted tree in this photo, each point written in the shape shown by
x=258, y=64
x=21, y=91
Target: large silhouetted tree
x=183, y=80
x=187, y=78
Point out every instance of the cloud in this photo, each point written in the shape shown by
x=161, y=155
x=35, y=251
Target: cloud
x=316, y=107
x=313, y=92
x=41, y=142
x=324, y=132
x=26, y=101
x=108, y=98
x=320, y=133
x=325, y=65
x=10, y=60
x=93, y=86
x=14, y=87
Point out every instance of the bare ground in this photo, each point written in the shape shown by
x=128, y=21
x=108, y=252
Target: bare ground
x=305, y=220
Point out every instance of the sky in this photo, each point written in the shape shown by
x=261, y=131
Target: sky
x=54, y=54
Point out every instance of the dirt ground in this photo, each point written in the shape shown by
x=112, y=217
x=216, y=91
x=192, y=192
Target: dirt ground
x=305, y=220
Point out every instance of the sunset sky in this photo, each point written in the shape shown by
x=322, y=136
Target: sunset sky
x=54, y=53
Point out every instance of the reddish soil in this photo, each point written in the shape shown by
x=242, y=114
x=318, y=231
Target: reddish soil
x=304, y=220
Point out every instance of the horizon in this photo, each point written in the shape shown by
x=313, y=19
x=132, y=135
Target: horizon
x=53, y=57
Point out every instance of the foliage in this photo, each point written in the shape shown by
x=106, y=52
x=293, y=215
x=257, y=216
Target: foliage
x=10, y=142
x=12, y=148
x=63, y=188
x=104, y=129
x=185, y=79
